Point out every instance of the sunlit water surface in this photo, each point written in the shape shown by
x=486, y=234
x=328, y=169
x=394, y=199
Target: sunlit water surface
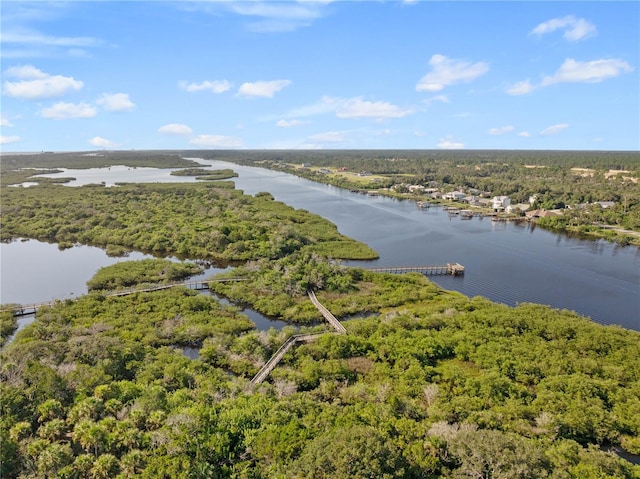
x=505, y=262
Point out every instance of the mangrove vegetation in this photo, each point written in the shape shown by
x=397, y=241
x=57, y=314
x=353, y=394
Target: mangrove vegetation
x=427, y=383
x=430, y=384
x=210, y=220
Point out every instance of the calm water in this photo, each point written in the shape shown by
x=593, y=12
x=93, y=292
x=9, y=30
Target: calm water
x=32, y=272
x=506, y=262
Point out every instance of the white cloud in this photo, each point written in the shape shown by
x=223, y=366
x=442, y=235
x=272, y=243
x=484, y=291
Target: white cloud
x=31, y=37
x=217, y=141
x=447, y=71
x=521, y=88
x=5, y=140
x=502, y=130
x=279, y=16
x=326, y=104
x=449, y=143
x=27, y=43
x=525, y=134
x=587, y=72
x=100, y=142
x=116, y=102
x=4, y=121
x=572, y=71
x=20, y=53
x=64, y=111
x=329, y=137
x=175, y=129
x=347, y=108
x=78, y=53
x=264, y=89
x=291, y=123
x=554, y=129
x=574, y=28
x=25, y=72
x=216, y=86
x=440, y=98
x=34, y=84
x=357, y=108
x=580, y=29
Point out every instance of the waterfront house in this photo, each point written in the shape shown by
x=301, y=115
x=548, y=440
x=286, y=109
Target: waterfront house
x=454, y=196
x=472, y=200
x=520, y=207
x=500, y=202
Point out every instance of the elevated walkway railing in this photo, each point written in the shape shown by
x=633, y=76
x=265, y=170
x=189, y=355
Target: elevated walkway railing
x=25, y=309
x=454, y=269
x=279, y=354
x=331, y=319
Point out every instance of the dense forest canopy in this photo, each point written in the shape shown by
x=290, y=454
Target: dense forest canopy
x=570, y=158
x=426, y=383
x=208, y=220
x=430, y=384
x=93, y=159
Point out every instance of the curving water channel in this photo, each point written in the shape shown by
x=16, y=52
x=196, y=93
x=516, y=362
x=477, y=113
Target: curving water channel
x=505, y=262
x=34, y=272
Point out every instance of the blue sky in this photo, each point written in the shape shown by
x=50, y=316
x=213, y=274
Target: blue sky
x=87, y=75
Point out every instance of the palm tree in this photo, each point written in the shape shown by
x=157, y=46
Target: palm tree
x=90, y=436
x=105, y=467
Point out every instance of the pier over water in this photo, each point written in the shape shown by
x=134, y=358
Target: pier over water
x=454, y=269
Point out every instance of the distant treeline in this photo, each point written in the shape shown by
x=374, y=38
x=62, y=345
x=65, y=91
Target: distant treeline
x=564, y=158
x=556, y=179
x=577, y=180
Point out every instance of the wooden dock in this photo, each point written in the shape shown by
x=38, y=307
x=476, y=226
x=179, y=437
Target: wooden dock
x=26, y=309
x=326, y=314
x=454, y=269
x=279, y=354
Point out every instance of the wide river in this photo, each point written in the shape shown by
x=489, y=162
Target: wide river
x=506, y=262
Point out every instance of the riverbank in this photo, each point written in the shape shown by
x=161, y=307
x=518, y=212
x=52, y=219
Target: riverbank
x=595, y=278
x=396, y=185
x=429, y=371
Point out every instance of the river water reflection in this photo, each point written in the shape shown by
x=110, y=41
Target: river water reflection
x=35, y=272
x=505, y=262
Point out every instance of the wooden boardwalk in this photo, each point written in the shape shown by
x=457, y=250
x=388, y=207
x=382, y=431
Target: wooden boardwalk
x=26, y=309
x=279, y=354
x=454, y=269
x=331, y=319
x=263, y=373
